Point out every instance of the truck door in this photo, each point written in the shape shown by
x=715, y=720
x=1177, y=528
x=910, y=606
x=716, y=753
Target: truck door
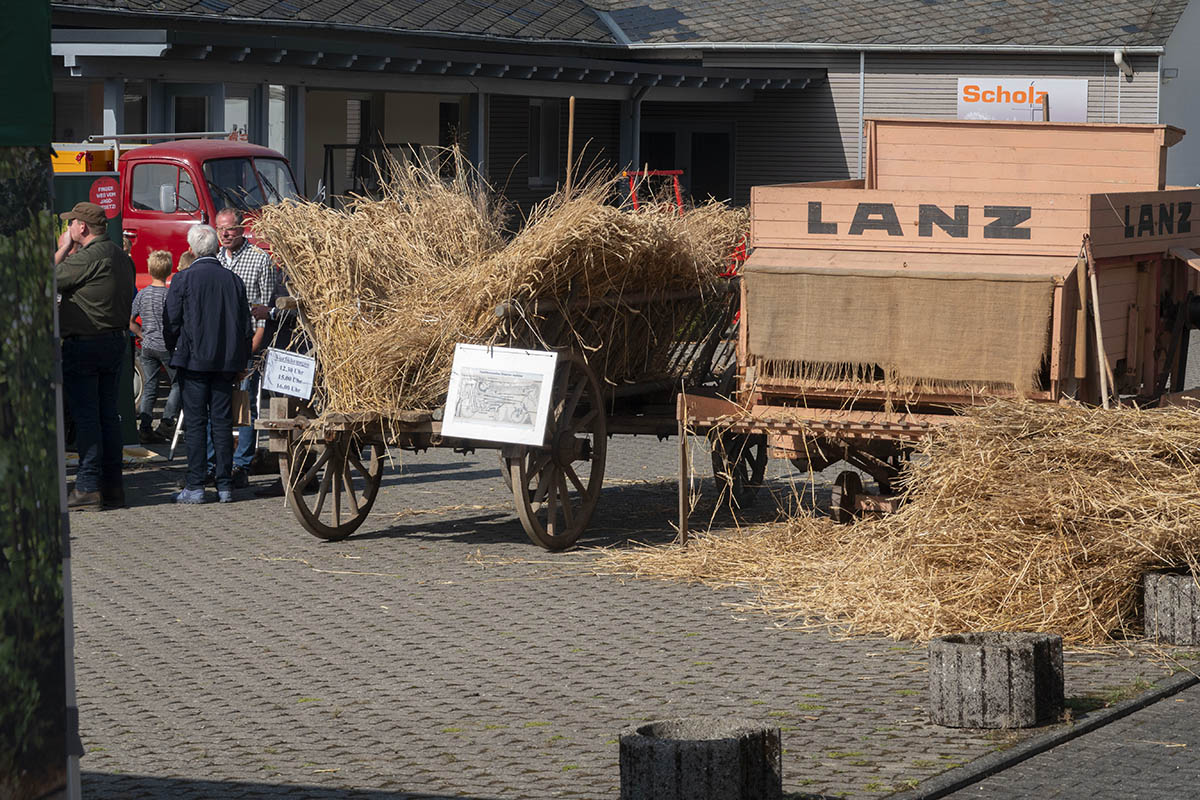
x=160, y=204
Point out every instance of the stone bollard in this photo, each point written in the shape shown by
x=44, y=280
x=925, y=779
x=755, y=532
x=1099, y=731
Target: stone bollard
x=701, y=758
x=995, y=680
x=1171, y=605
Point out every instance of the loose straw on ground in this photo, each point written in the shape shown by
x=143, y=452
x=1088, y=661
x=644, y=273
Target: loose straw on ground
x=1022, y=516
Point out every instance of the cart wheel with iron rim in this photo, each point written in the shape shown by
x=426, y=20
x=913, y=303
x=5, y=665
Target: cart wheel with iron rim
x=556, y=487
x=331, y=483
x=739, y=464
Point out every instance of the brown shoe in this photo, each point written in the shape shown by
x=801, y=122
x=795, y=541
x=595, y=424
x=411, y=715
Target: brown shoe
x=84, y=501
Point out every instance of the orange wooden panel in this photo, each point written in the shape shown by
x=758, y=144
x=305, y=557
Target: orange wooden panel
x=801, y=216
x=1143, y=223
x=991, y=133
x=966, y=150
x=940, y=154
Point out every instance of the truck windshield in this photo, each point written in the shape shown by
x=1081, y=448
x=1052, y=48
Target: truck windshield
x=233, y=182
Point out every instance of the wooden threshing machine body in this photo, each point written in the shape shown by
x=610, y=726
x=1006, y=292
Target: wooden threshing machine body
x=954, y=272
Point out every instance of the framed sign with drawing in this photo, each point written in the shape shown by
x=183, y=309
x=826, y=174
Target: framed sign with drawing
x=499, y=394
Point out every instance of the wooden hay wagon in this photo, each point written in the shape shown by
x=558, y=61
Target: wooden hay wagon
x=332, y=464
x=976, y=260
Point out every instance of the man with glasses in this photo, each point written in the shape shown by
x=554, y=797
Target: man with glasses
x=253, y=266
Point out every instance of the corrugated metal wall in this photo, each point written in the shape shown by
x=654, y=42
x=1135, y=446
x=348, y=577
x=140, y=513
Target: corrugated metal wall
x=597, y=141
x=814, y=135
x=927, y=85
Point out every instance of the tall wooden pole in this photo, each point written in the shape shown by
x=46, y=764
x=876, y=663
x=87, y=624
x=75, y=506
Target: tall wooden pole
x=570, y=139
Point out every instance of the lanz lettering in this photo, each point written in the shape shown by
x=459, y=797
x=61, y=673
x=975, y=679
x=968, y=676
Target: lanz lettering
x=1162, y=219
x=1006, y=222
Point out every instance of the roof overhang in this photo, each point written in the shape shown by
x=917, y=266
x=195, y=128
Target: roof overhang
x=84, y=48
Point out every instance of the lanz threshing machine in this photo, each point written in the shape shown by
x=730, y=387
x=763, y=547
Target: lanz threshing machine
x=976, y=260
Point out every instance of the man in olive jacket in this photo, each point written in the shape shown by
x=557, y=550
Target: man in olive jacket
x=207, y=328
x=95, y=280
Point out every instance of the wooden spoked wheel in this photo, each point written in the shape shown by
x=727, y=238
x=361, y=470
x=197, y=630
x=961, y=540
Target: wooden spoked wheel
x=739, y=465
x=331, y=485
x=846, y=489
x=556, y=487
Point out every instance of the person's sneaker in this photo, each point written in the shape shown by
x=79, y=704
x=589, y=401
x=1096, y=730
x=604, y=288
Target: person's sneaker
x=149, y=436
x=166, y=429
x=113, y=497
x=225, y=495
x=190, y=496
x=84, y=501
x=273, y=489
x=240, y=479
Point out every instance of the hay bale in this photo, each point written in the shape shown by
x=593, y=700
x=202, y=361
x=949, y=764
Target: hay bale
x=390, y=285
x=1021, y=517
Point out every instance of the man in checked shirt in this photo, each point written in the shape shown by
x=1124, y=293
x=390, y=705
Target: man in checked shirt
x=254, y=267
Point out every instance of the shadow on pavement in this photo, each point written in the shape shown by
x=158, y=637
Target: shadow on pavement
x=147, y=787
x=641, y=512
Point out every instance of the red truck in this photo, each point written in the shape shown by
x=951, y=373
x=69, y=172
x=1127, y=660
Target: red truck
x=159, y=191
x=166, y=188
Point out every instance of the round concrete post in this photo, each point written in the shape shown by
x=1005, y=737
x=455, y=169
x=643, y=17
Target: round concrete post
x=995, y=680
x=1171, y=602
x=701, y=759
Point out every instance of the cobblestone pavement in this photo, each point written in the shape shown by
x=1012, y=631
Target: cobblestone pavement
x=222, y=652
x=1150, y=755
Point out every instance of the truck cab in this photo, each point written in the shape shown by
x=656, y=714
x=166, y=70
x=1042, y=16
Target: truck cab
x=166, y=188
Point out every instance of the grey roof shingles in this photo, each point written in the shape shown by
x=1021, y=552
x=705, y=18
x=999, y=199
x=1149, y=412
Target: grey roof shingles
x=899, y=22
x=1051, y=23
x=543, y=19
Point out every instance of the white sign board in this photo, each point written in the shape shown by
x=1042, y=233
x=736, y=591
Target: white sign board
x=1021, y=98
x=289, y=373
x=499, y=394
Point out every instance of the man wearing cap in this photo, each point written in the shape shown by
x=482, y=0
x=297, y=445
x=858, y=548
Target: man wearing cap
x=96, y=283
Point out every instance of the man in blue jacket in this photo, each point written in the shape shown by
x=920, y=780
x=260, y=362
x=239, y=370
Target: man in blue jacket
x=207, y=328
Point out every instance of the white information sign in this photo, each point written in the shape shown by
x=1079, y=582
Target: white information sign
x=289, y=373
x=499, y=394
x=1021, y=98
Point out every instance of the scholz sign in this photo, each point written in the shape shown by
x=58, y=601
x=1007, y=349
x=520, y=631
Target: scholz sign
x=1020, y=99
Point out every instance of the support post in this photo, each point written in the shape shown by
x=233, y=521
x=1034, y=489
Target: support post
x=478, y=143
x=114, y=106
x=294, y=113
x=631, y=129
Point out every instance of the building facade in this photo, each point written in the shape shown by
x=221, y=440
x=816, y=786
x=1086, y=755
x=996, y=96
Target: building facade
x=734, y=95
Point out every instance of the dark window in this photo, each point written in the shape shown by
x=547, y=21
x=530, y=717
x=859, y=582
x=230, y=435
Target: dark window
x=276, y=179
x=157, y=187
x=543, y=142
x=657, y=150
x=448, y=122
x=710, y=166
x=191, y=114
x=233, y=183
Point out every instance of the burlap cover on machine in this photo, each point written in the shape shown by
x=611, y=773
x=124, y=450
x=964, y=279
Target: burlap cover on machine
x=907, y=328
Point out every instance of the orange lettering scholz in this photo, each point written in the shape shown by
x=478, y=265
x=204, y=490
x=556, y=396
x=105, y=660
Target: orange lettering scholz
x=973, y=94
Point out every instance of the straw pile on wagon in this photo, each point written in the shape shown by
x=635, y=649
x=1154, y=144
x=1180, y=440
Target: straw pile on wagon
x=389, y=285
x=1023, y=516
